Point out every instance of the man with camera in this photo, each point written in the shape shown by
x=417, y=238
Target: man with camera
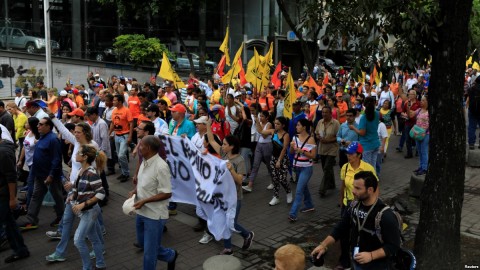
x=370, y=249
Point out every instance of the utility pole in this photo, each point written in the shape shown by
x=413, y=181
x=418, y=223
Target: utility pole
x=48, y=45
x=7, y=22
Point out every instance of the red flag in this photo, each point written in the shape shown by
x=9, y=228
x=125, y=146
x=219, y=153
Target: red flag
x=277, y=82
x=325, y=79
x=243, y=81
x=221, y=66
x=312, y=83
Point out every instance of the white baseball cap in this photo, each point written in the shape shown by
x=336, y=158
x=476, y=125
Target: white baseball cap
x=63, y=93
x=128, y=208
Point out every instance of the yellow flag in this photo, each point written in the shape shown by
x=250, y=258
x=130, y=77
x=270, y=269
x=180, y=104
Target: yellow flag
x=364, y=76
x=378, y=78
x=469, y=61
x=166, y=72
x=178, y=81
x=476, y=66
x=224, y=48
x=290, y=96
x=269, y=55
x=254, y=73
x=235, y=69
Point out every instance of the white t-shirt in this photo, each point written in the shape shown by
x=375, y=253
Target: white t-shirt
x=410, y=82
x=21, y=102
x=29, y=146
x=382, y=133
x=233, y=123
x=387, y=95
x=197, y=140
x=161, y=127
x=6, y=134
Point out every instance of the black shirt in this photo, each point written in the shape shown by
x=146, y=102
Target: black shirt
x=367, y=239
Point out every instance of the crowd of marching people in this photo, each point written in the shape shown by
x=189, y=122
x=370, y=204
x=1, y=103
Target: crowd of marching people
x=97, y=127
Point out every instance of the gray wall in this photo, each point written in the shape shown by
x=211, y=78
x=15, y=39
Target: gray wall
x=63, y=70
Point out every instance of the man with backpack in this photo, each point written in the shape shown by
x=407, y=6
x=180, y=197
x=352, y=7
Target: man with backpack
x=373, y=228
x=473, y=103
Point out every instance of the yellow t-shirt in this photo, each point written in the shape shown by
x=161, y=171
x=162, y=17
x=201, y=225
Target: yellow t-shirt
x=348, y=178
x=169, y=103
x=20, y=121
x=216, y=95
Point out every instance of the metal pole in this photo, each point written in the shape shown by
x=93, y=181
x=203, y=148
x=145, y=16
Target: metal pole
x=48, y=45
x=7, y=22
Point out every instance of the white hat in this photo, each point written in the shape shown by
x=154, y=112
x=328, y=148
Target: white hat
x=201, y=120
x=128, y=208
x=237, y=94
x=96, y=75
x=63, y=93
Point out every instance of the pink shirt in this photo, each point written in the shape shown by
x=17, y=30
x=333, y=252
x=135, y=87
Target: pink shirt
x=423, y=120
x=171, y=96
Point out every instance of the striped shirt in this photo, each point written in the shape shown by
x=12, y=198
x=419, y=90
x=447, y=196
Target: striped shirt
x=87, y=186
x=300, y=160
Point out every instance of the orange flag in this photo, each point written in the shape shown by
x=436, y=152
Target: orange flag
x=325, y=80
x=313, y=84
x=373, y=75
x=221, y=66
x=243, y=81
x=277, y=82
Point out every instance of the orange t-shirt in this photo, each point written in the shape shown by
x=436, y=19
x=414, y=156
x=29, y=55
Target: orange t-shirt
x=394, y=88
x=134, y=106
x=342, y=108
x=121, y=119
x=263, y=103
x=79, y=101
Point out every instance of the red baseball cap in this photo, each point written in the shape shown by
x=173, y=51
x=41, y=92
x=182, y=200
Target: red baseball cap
x=77, y=112
x=178, y=108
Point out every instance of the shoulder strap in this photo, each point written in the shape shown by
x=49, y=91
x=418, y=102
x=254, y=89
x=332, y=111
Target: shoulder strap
x=378, y=219
x=20, y=101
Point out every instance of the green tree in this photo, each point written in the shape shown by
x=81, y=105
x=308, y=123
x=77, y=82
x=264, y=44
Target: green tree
x=475, y=26
x=140, y=50
x=422, y=28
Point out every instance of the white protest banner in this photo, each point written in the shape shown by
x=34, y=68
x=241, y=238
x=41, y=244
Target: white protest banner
x=204, y=181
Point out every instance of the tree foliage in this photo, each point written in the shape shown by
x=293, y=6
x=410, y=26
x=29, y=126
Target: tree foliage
x=171, y=10
x=474, y=27
x=305, y=18
x=140, y=50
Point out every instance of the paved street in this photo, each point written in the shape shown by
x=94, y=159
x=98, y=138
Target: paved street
x=270, y=224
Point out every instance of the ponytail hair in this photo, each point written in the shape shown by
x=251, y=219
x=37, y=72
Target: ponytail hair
x=92, y=155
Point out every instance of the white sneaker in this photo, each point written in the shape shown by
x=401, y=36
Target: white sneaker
x=289, y=198
x=270, y=187
x=206, y=238
x=247, y=188
x=274, y=201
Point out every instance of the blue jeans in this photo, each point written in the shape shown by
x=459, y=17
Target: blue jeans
x=473, y=123
x=65, y=228
x=422, y=147
x=227, y=243
x=11, y=229
x=406, y=138
x=149, y=236
x=378, y=163
x=88, y=227
x=122, y=151
x=304, y=174
x=371, y=156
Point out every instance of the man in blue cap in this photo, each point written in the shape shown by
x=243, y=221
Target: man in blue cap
x=20, y=100
x=35, y=108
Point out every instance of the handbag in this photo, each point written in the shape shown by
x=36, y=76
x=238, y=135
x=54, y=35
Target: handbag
x=128, y=208
x=418, y=133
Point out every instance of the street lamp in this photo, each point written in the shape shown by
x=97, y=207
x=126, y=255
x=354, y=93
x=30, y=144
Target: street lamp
x=48, y=45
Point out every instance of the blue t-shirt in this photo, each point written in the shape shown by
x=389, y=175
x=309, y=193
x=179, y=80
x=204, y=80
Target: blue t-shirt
x=370, y=140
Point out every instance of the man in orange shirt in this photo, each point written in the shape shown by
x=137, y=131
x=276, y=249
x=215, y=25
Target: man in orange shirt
x=122, y=124
x=342, y=107
x=266, y=103
x=134, y=107
x=78, y=98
